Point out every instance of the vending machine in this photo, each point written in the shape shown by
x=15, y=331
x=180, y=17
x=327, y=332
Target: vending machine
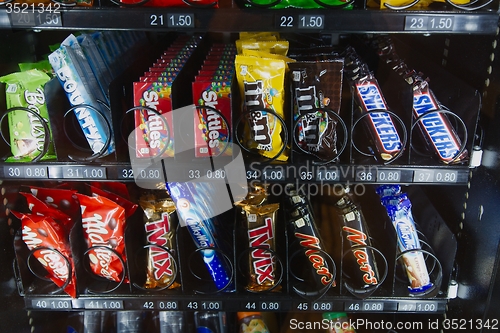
x=249, y=166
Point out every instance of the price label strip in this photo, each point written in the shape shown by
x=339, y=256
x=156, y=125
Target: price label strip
x=51, y=304
x=204, y=306
x=184, y=20
x=435, y=176
x=364, y=306
x=429, y=23
x=311, y=22
x=270, y=306
x=273, y=174
x=83, y=172
x=417, y=307
x=324, y=174
x=23, y=172
x=107, y=304
x=29, y=19
x=154, y=305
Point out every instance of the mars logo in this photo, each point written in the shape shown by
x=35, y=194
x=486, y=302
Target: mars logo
x=217, y=180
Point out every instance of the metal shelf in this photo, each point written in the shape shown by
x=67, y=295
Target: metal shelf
x=238, y=302
x=271, y=173
x=244, y=19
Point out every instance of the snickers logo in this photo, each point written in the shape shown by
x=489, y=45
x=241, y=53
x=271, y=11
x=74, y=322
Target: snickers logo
x=382, y=123
x=435, y=127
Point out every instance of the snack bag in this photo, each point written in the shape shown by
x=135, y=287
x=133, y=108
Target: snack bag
x=261, y=82
x=103, y=222
x=43, y=231
x=27, y=133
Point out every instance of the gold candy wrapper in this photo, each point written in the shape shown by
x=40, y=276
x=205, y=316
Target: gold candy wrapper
x=160, y=225
x=261, y=82
x=256, y=197
x=260, y=224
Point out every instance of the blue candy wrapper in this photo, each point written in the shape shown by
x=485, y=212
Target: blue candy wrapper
x=399, y=210
x=193, y=214
x=93, y=125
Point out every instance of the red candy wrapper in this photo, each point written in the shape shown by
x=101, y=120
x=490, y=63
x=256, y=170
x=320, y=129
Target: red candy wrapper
x=58, y=198
x=38, y=207
x=43, y=231
x=103, y=223
x=129, y=206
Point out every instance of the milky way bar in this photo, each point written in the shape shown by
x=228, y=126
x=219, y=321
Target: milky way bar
x=193, y=215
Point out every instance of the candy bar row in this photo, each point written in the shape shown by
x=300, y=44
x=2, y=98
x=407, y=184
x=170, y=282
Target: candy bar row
x=270, y=100
x=84, y=240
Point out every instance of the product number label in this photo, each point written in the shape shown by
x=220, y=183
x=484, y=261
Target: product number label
x=285, y=21
x=429, y=23
x=126, y=173
x=367, y=176
x=51, y=304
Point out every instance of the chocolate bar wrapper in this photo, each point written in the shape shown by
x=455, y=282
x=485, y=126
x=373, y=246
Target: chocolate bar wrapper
x=359, y=261
x=201, y=229
x=368, y=97
x=27, y=135
x=160, y=223
x=399, y=211
x=380, y=125
x=436, y=129
x=316, y=85
x=93, y=126
x=303, y=227
x=260, y=223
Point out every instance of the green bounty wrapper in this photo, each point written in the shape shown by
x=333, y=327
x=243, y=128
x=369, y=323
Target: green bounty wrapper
x=27, y=134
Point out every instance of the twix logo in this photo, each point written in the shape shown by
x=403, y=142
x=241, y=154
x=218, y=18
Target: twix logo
x=359, y=238
x=312, y=244
x=263, y=263
x=157, y=234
